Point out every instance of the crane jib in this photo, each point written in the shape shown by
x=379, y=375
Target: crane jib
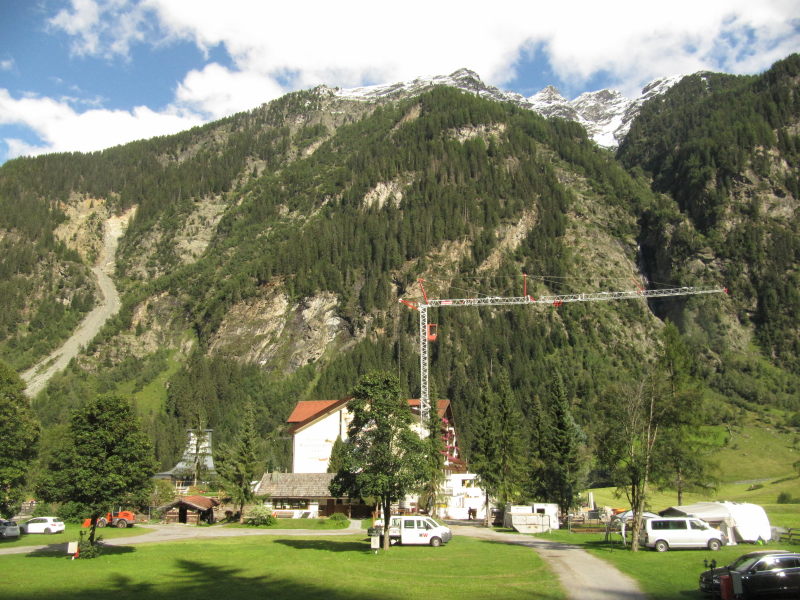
x=425, y=334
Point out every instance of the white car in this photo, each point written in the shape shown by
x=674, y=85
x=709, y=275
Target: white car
x=42, y=525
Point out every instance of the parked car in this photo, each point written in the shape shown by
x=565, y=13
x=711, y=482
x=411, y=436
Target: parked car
x=664, y=533
x=415, y=529
x=418, y=530
x=42, y=525
x=9, y=529
x=764, y=574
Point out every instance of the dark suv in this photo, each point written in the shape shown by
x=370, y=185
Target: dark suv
x=765, y=574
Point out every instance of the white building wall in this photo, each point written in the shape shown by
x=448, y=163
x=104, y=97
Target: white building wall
x=312, y=446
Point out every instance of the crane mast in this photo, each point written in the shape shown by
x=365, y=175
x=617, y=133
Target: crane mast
x=427, y=333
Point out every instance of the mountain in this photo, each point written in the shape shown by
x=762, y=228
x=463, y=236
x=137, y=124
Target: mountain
x=605, y=114
x=266, y=253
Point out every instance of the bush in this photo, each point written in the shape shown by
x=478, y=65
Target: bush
x=72, y=512
x=87, y=550
x=786, y=498
x=338, y=517
x=260, y=516
x=43, y=509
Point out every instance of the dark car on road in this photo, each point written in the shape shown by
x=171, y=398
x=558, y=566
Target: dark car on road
x=764, y=574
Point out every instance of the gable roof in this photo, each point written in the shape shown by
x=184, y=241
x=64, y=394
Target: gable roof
x=307, y=411
x=201, y=503
x=295, y=485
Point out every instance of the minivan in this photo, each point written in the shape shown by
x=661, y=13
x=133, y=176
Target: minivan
x=418, y=529
x=664, y=533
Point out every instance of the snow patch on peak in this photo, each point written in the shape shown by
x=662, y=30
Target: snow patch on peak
x=605, y=114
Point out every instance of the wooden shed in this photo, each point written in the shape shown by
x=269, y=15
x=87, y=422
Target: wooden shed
x=190, y=509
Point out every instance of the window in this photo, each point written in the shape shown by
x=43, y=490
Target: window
x=421, y=524
x=697, y=525
x=408, y=524
x=677, y=525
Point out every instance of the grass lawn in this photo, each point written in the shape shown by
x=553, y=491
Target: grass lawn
x=662, y=576
x=298, y=524
x=264, y=567
x=69, y=535
x=764, y=494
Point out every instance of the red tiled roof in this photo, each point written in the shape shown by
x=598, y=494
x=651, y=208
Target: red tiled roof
x=306, y=409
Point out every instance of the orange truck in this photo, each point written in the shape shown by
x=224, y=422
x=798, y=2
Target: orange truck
x=121, y=519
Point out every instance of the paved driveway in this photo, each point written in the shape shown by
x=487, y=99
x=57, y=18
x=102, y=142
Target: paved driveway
x=583, y=576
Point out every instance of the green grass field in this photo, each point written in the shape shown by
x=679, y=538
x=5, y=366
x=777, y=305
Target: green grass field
x=764, y=494
x=267, y=567
x=70, y=534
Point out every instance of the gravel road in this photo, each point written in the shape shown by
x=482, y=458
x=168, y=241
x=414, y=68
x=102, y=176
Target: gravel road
x=583, y=576
x=37, y=376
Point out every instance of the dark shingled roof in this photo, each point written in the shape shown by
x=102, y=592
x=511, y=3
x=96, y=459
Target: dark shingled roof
x=202, y=503
x=295, y=485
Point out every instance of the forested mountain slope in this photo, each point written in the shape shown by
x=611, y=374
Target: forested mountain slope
x=269, y=250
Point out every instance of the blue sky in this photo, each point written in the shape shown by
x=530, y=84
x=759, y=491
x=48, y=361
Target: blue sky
x=81, y=75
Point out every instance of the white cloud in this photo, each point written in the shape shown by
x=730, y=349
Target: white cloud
x=61, y=128
x=277, y=47
x=6, y=64
x=102, y=27
x=354, y=42
x=217, y=91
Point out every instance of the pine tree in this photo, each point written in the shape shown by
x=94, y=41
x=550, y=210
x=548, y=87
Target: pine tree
x=562, y=449
x=237, y=464
x=497, y=453
x=434, y=462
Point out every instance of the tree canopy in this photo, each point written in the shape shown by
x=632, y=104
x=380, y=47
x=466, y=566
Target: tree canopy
x=19, y=434
x=104, y=459
x=383, y=458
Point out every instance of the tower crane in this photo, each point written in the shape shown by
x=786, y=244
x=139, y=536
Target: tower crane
x=427, y=331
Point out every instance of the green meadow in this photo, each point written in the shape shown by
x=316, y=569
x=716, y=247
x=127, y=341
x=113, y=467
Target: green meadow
x=268, y=567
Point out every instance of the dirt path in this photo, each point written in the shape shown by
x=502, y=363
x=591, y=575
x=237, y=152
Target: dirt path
x=583, y=576
x=37, y=376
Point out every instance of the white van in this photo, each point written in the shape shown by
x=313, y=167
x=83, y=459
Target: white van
x=664, y=533
x=418, y=529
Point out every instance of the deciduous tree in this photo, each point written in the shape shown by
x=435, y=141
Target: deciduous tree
x=384, y=458
x=104, y=459
x=19, y=435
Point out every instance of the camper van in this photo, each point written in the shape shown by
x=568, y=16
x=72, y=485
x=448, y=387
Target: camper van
x=663, y=533
x=418, y=529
